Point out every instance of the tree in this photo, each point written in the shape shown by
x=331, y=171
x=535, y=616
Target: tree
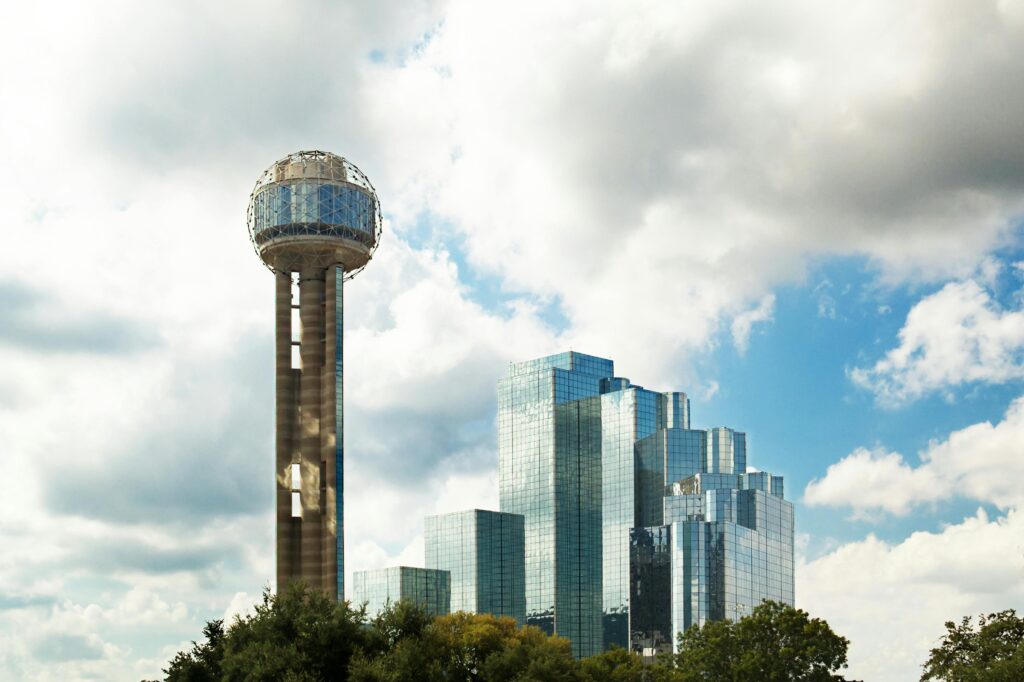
x=395, y=650
x=297, y=635
x=202, y=663
x=462, y=646
x=992, y=652
x=615, y=665
x=302, y=635
x=776, y=643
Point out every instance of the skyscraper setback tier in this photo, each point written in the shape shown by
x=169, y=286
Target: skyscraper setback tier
x=591, y=460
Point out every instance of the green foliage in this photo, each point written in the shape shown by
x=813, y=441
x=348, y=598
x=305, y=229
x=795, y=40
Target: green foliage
x=615, y=665
x=202, y=662
x=992, y=652
x=303, y=636
x=460, y=646
x=297, y=636
x=776, y=643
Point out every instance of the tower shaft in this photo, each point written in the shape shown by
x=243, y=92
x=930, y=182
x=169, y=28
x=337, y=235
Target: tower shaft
x=310, y=541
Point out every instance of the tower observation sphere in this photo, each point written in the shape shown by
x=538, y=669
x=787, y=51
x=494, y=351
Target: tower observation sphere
x=313, y=209
x=315, y=221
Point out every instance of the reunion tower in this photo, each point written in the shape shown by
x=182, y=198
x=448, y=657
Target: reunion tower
x=314, y=220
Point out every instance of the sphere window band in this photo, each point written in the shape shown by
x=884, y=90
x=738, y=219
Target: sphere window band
x=310, y=208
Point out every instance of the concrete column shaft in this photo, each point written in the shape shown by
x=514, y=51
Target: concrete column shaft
x=331, y=435
x=285, y=391
x=311, y=294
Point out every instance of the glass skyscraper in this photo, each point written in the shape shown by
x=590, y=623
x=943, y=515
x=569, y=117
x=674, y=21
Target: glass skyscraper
x=549, y=469
x=483, y=552
x=616, y=490
x=429, y=588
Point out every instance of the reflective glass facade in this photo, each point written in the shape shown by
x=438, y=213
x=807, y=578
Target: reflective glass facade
x=726, y=546
x=484, y=553
x=627, y=414
x=427, y=587
x=665, y=456
x=549, y=466
x=636, y=525
x=314, y=207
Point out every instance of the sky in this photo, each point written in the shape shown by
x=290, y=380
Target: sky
x=809, y=217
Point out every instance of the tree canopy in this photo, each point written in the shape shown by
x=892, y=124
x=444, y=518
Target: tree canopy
x=991, y=652
x=776, y=643
x=301, y=635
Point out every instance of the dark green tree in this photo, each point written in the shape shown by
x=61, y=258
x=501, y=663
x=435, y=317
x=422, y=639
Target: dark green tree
x=396, y=650
x=297, y=635
x=202, y=662
x=991, y=652
x=776, y=643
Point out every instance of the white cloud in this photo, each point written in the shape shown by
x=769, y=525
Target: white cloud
x=983, y=462
x=744, y=321
x=709, y=390
x=891, y=599
x=667, y=163
x=241, y=606
x=955, y=336
x=874, y=479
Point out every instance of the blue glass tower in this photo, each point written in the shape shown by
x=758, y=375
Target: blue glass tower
x=549, y=469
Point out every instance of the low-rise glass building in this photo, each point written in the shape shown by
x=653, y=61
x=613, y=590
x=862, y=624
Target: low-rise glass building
x=377, y=588
x=484, y=553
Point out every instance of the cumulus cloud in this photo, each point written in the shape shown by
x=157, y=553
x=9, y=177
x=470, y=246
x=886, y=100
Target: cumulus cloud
x=953, y=337
x=891, y=598
x=667, y=163
x=983, y=462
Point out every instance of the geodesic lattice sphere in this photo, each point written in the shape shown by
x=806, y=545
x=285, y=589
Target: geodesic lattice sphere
x=311, y=210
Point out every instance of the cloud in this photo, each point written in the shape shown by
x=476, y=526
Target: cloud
x=709, y=390
x=29, y=319
x=891, y=599
x=668, y=164
x=19, y=601
x=826, y=301
x=956, y=336
x=242, y=605
x=743, y=322
x=66, y=647
x=185, y=451
x=875, y=479
x=982, y=462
